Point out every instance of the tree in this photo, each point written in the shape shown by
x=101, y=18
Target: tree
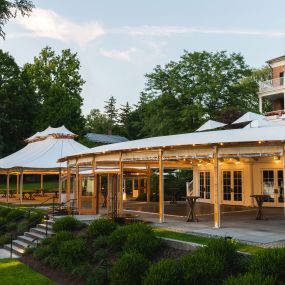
x=57, y=83
x=96, y=122
x=18, y=107
x=181, y=95
x=10, y=9
x=111, y=111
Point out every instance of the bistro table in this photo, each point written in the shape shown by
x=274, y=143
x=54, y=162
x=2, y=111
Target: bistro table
x=191, y=201
x=260, y=198
x=29, y=194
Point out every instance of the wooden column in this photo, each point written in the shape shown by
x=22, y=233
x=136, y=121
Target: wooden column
x=120, y=192
x=68, y=185
x=21, y=186
x=7, y=187
x=133, y=186
x=108, y=193
x=161, y=187
x=148, y=185
x=217, y=217
x=76, y=194
x=283, y=178
x=95, y=186
x=59, y=186
x=42, y=184
x=18, y=184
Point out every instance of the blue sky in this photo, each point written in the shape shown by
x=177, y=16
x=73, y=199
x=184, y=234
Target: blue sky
x=119, y=41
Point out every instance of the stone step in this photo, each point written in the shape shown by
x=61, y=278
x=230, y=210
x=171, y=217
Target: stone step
x=34, y=235
x=43, y=226
x=4, y=253
x=20, y=243
x=15, y=249
x=41, y=231
x=26, y=239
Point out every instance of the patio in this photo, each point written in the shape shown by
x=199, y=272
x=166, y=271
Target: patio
x=236, y=221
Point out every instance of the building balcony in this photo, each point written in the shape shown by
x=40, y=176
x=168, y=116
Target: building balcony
x=272, y=86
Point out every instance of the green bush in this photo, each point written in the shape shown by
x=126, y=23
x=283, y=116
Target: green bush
x=101, y=227
x=56, y=240
x=202, y=268
x=82, y=270
x=40, y=253
x=15, y=215
x=3, y=224
x=35, y=218
x=4, y=211
x=100, y=242
x=100, y=255
x=29, y=250
x=227, y=252
x=72, y=252
x=142, y=243
x=5, y=238
x=98, y=277
x=22, y=227
x=251, y=279
x=165, y=272
x=130, y=269
x=67, y=224
x=269, y=262
x=11, y=227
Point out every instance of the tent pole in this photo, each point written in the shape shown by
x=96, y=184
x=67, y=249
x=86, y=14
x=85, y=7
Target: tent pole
x=217, y=214
x=77, y=197
x=42, y=184
x=161, y=188
x=148, y=185
x=21, y=187
x=59, y=186
x=7, y=187
x=17, y=187
x=68, y=186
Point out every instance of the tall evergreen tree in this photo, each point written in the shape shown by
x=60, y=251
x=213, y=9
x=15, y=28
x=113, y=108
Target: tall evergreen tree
x=111, y=111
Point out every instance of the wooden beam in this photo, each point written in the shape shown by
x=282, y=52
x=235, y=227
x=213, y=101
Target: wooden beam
x=21, y=187
x=59, y=186
x=121, y=177
x=77, y=196
x=18, y=184
x=148, y=185
x=68, y=185
x=42, y=184
x=7, y=187
x=161, y=188
x=217, y=218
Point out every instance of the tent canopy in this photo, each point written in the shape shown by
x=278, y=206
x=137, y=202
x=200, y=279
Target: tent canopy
x=43, y=154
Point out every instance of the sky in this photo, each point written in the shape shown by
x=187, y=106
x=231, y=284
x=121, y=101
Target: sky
x=119, y=41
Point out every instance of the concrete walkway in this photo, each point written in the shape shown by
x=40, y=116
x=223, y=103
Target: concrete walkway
x=6, y=254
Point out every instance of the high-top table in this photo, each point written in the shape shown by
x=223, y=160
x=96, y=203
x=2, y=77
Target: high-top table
x=191, y=201
x=260, y=198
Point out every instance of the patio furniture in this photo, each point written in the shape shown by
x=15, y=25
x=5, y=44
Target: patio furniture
x=191, y=201
x=260, y=198
x=29, y=194
x=11, y=193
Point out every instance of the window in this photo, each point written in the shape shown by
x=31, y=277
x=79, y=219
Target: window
x=273, y=185
x=232, y=185
x=268, y=184
x=205, y=191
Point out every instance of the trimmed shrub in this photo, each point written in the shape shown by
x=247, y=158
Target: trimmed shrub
x=23, y=227
x=81, y=270
x=3, y=223
x=227, y=252
x=67, y=224
x=15, y=215
x=269, y=262
x=4, y=211
x=202, y=268
x=251, y=279
x=100, y=242
x=165, y=272
x=98, y=277
x=11, y=227
x=130, y=269
x=35, y=218
x=56, y=240
x=5, y=238
x=142, y=243
x=100, y=255
x=40, y=253
x=101, y=227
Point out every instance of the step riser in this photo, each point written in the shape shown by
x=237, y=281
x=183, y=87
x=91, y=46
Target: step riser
x=15, y=243
x=24, y=239
x=14, y=250
x=33, y=236
x=44, y=227
x=41, y=232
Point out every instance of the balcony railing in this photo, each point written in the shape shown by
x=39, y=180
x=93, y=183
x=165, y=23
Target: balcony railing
x=271, y=84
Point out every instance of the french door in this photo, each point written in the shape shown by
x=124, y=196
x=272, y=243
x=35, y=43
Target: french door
x=88, y=195
x=232, y=186
x=204, y=185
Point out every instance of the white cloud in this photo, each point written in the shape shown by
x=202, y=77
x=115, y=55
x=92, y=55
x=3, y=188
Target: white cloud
x=175, y=30
x=118, y=54
x=48, y=24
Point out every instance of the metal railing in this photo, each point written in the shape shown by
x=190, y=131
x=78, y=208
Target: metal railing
x=271, y=84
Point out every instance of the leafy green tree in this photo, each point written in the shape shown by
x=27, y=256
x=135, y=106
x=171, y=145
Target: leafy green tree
x=96, y=122
x=57, y=83
x=18, y=107
x=10, y=9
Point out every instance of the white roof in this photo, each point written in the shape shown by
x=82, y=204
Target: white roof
x=248, y=117
x=209, y=125
x=271, y=133
x=61, y=131
x=42, y=154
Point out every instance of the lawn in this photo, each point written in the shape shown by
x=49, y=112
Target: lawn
x=13, y=272
x=201, y=240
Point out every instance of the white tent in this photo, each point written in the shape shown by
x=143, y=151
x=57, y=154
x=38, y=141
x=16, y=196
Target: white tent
x=210, y=125
x=248, y=117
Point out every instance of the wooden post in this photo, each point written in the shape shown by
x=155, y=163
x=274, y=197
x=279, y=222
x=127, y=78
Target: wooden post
x=42, y=184
x=7, y=187
x=21, y=186
x=148, y=185
x=217, y=217
x=161, y=188
x=95, y=186
x=68, y=185
x=76, y=194
x=121, y=177
x=59, y=186
x=18, y=184
x=284, y=178
x=133, y=186
x=108, y=193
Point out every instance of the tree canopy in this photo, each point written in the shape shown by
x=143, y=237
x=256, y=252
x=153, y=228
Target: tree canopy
x=10, y=9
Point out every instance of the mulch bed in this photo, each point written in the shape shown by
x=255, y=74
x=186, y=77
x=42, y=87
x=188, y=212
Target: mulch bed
x=58, y=276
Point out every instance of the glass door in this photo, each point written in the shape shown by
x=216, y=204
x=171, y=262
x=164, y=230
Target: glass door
x=205, y=190
x=87, y=195
x=232, y=186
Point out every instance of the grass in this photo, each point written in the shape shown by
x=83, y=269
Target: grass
x=13, y=272
x=202, y=240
